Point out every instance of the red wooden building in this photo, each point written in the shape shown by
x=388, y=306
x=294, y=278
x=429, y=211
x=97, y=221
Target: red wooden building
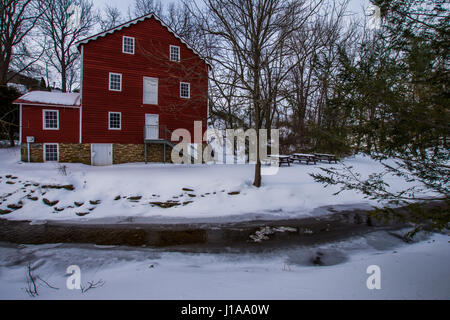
x=139, y=82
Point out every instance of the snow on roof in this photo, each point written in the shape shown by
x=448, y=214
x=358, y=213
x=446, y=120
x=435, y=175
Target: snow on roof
x=50, y=98
x=19, y=87
x=132, y=22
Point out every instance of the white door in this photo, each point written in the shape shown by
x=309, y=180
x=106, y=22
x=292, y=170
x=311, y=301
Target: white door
x=101, y=154
x=150, y=87
x=151, y=126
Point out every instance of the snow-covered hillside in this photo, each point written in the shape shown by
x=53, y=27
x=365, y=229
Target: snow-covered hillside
x=166, y=190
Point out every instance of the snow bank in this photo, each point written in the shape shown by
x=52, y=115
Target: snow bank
x=415, y=271
x=210, y=191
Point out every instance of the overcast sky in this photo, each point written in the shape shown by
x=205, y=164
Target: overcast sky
x=355, y=5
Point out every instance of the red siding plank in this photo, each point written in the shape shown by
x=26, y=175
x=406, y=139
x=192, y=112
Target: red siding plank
x=151, y=59
x=69, y=121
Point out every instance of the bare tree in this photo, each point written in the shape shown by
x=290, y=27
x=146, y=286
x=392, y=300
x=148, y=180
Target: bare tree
x=143, y=7
x=111, y=18
x=180, y=19
x=310, y=85
x=65, y=22
x=17, y=19
x=252, y=47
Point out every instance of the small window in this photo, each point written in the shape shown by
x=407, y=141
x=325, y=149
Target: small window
x=115, y=82
x=128, y=45
x=185, y=90
x=51, y=119
x=115, y=121
x=175, y=53
x=51, y=152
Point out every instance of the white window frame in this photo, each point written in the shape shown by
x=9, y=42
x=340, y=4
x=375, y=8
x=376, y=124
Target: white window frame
x=123, y=44
x=170, y=53
x=115, y=74
x=109, y=120
x=44, y=127
x=189, y=90
x=45, y=153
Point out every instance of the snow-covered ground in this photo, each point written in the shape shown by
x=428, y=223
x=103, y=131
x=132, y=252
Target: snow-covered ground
x=407, y=271
x=214, y=190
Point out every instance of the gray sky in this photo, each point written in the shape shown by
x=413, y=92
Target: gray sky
x=355, y=5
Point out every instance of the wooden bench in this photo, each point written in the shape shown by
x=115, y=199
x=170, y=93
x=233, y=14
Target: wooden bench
x=303, y=157
x=326, y=157
x=281, y=159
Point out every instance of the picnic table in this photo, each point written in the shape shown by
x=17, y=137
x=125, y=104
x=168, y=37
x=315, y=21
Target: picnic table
x=303, y=157
x=326, y=157
x=281, y=159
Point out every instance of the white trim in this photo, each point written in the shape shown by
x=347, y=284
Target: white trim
x=132, y=22
x=109, y=82
x=123, y=44
x=109, y=120
x=57, y=151
x=81, y=96
x=170, y=53
x=20, y=124
x=47, y=105
x=189, y=93
x=207, y=105
x=43, y=119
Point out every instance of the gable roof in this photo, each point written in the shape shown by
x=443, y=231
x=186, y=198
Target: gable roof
x=46, y=98
x=135, y=21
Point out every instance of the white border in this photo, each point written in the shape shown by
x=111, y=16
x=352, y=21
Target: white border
x=123, y=45
x=109, y=81
x=20, y=124
x=109, y=120
x=43, y=119
x=81, y=95
x=189, y=96
x=57, y=151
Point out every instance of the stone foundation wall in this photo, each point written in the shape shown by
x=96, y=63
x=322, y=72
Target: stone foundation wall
x=36, y=152
x=81, y=153
x=126, y=153
x=75, y=153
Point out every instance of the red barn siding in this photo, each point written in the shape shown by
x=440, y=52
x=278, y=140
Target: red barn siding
x=151, y=59
x=32, y=125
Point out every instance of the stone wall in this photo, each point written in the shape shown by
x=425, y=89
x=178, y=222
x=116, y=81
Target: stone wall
x=81, y=153
x=36, y=152
x=125, y=153
x=76, y=153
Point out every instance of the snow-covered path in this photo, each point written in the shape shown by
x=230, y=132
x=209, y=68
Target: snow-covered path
x=408, y=271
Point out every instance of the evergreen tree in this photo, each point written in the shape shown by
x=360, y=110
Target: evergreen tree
x=9, y=114
x=397, y=93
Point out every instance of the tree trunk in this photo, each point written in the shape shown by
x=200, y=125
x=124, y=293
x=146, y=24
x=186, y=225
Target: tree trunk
x=11, y=136
x=63, y=79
